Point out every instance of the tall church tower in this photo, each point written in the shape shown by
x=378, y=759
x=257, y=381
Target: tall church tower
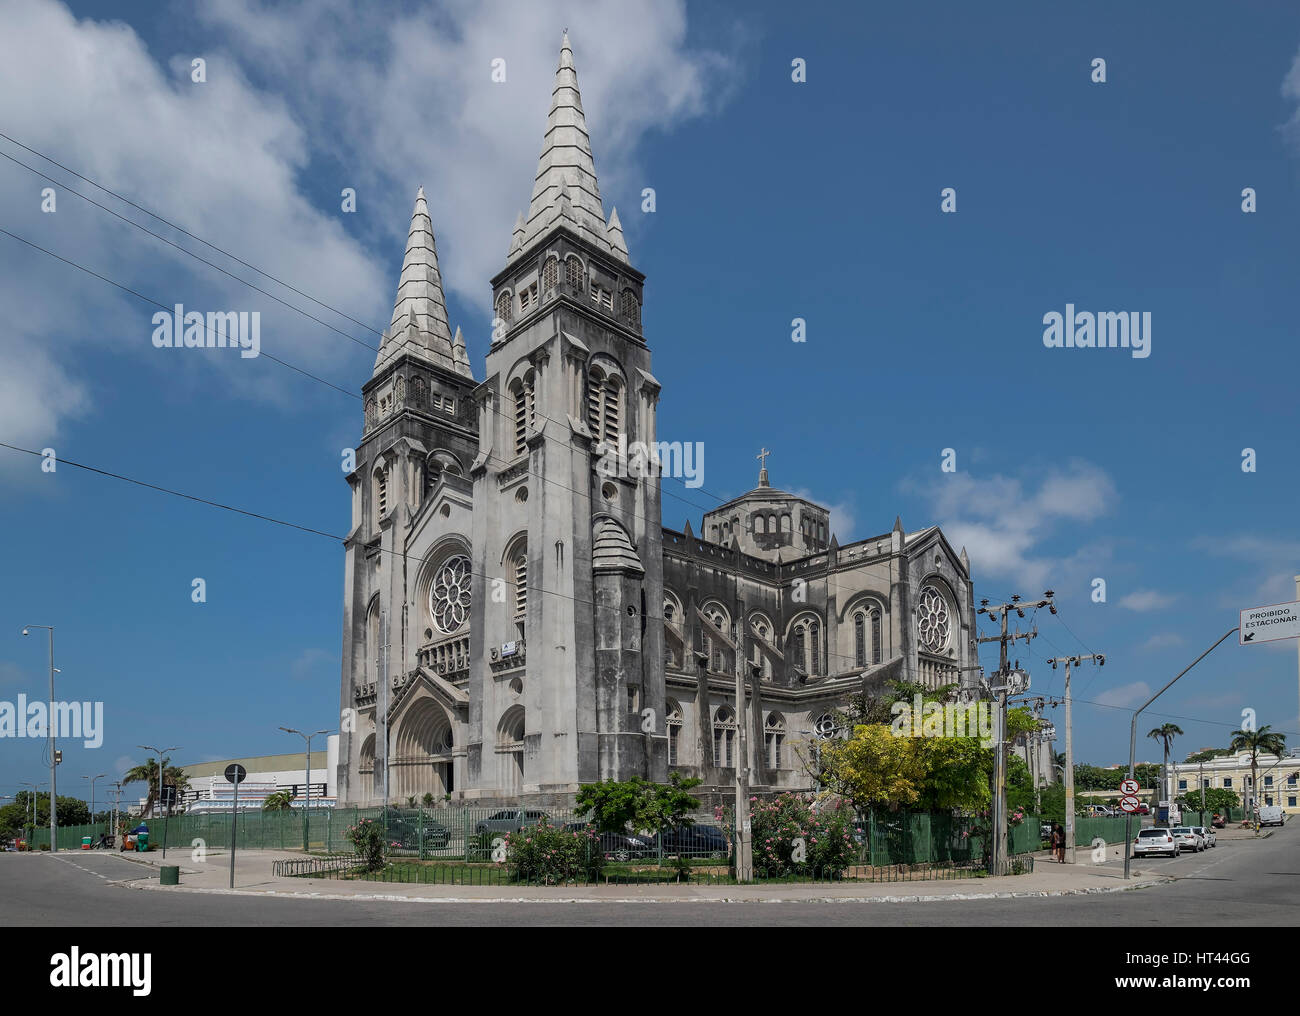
x=568, y=682
x=411, y=496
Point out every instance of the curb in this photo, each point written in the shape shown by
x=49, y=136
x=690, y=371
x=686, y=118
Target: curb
x=391, y=898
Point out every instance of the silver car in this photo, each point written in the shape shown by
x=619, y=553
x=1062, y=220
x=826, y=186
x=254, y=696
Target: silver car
x=1155, y=841
x=1207, y=835
x=1188, y=838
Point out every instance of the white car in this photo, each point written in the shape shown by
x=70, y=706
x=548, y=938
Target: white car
x=1206, y=834
x=1155, y=841
x=1188, y=838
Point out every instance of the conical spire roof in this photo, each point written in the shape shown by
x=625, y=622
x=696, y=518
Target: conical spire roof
x=566, y=168
x=419, y=323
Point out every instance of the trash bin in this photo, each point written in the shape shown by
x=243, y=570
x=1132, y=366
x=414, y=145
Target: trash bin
x=142, y=842
x=85, y=842
x=169, y=874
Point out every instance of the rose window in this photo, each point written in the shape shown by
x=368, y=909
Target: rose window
x=933, y=623
x=449, y=596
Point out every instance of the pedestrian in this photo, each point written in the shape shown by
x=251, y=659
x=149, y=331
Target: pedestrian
x=1060, y=843
x=1056, y=840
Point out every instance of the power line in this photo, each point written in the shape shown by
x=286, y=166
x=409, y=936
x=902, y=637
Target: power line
x=180, y=229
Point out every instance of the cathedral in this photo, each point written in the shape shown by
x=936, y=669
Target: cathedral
x=517, y=620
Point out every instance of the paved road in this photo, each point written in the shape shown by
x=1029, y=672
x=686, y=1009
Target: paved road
x=1239, y=883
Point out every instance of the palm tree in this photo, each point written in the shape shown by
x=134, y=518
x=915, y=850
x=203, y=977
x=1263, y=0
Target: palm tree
x=1263, y=740
x=147, y=773
x=281, y=800
x=1166, y=734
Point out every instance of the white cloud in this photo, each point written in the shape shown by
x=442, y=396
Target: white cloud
x=1004, y=520
x=1162, y=640
x=1291, y=90
x=1125, y=695
x=1146, y=599
x=844, y=521
x=300, y=101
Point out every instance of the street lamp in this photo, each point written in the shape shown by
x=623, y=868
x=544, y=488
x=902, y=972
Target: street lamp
x=54, y=820
x=101, y=776
x=306, y=815
x=160, y=752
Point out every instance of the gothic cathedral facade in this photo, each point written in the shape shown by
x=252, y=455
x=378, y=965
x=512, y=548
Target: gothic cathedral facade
x=518, y=622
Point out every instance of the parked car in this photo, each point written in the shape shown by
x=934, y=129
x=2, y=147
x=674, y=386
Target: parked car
x=408, y=834
x=693, y=841
x=619, y=846
x=1188, y=839
x=1143, y=808
x=1270, y=814
x=1218, y=821
x=1155, y=841
x=510, y=820
x=1207, y=835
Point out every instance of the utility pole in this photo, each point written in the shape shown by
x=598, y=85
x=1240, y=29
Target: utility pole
x=744, y=829
x=999, y=852
x=117, y=797
x=1069, y=661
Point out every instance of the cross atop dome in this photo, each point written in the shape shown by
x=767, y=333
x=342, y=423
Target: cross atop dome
x=762, y=472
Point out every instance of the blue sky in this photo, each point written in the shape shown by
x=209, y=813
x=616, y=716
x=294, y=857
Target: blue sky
x=774, y=200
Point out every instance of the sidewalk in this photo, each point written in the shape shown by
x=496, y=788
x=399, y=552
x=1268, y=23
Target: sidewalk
x=253, y=877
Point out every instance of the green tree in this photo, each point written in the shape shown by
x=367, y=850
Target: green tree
x=1208, y=754
x=281, y=800
x=1265, y=741
x=1217, y=799
x=616, y=805
x=1165, y=734
x=147, y=773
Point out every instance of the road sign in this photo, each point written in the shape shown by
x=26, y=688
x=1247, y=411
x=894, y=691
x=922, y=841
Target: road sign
x=1129, y=787
x=1129, y=804
x=235, y=773
x=1268, y=624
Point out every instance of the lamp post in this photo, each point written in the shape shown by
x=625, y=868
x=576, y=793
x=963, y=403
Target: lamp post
x=54, y=819
x=306, y=815
x=117, y=798
x=101, y=776
x=161, y=752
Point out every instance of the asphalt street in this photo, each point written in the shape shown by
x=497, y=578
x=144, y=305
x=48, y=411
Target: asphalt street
x=1239, y=883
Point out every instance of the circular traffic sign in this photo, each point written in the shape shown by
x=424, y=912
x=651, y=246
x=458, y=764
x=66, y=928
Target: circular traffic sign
x=235, y=773
x=1129, y=787
x=1129, y=804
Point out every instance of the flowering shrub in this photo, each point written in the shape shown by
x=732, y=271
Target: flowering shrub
x=545, y=854
x=778, y=824
x=367, y=837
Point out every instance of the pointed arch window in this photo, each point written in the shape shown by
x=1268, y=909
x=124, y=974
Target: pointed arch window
x=674, y=733
x=604, y=403
x=550, y=276
x=629, y=308
x=774, y=740
x=573, y=272
x=724, y=738
x=859, y=639
x=381, y=495
x=521, y=583
x=807, y=645
x=504, y=305
x=875, y=636
x=525, y=400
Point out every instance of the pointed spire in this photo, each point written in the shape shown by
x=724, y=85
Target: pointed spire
x=419, y=323
x=686, y=529
x=461, y=355
x=517, y=239
x=566, y=170
x=965, y=561
x=614, y=233
x=898, y=523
